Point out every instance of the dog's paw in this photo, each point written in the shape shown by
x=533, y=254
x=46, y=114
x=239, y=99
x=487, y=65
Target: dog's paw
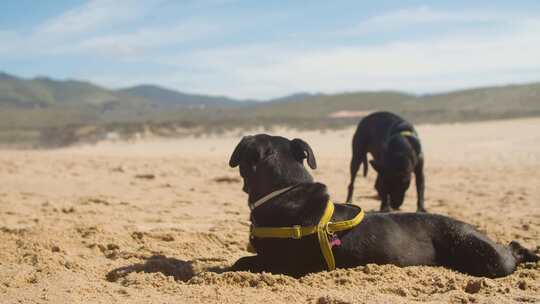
x=523, y=254
x=386, y=209
x=249, y=263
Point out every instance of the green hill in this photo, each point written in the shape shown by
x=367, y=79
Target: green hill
x=42, y=92
x=319, y=106
x=74, y=92
x=464, y=105
x=165, y=97
x=45, y=110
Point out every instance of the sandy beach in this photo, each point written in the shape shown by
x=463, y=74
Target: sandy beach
x=159, y=221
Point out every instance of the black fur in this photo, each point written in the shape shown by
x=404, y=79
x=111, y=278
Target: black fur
x=280, y=159
x=395, y=158
x=268, y=163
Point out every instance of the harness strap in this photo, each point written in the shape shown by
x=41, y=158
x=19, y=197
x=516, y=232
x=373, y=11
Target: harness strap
x=323, y=229
x=408, y=133
x=334, y=227
x=322, y=234
x=415, y=135
x=294, y=232
x=402, y=133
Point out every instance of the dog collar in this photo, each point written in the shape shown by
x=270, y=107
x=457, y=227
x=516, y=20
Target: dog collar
x=269, y=196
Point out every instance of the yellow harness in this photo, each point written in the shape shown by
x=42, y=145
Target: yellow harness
x=408, y=133
x=414, y=135
x=323, y=229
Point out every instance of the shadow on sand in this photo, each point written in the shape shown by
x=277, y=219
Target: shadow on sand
x=180, y=270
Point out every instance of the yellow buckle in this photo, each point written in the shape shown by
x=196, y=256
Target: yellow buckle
x=327, y=230
x=297, y=232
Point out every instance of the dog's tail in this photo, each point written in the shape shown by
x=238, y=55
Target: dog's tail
x=359, y=157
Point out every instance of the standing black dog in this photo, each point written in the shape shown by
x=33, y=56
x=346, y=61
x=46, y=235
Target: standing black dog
x=269, y=164
x=396, y=151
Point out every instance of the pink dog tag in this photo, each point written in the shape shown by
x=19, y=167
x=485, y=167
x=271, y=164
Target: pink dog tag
x=335, y=241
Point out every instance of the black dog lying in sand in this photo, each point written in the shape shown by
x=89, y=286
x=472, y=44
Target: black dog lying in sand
x=282, y=195
x=396, y=152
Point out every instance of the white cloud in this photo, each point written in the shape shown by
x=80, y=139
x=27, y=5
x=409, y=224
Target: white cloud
x=448, y=62
x=134, y=44
x=452, y=59
x=92, y=29
x=93, y=15
x=397, y=20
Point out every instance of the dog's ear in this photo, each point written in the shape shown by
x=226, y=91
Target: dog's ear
x=302, y=150
x=236, y=155
x=375, y=166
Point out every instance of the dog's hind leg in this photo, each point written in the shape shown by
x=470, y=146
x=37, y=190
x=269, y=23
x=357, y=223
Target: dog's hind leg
x=420, y=185
x=472, y=252
x=355, y=166
x=359, y=157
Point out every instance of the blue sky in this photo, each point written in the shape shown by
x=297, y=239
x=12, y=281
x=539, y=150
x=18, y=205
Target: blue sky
x=266, y=49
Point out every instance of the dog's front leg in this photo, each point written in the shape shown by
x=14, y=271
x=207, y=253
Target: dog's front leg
x=258, y=263
x=383, y=195
x=385, y=204
x=249, y=263
x=420, y=185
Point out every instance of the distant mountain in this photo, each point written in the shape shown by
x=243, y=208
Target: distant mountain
x=320, y=105
x=464, y=105
x=4, y=76
x=294, y=97
x=43, y=102
x=167, y=97
x=75, y=92
x=43, y=91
